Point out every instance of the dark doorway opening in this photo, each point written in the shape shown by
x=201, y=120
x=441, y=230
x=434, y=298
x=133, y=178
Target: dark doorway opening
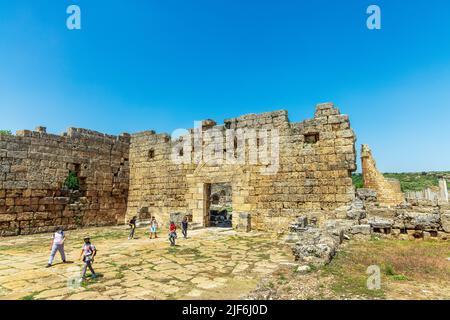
x=220, y=205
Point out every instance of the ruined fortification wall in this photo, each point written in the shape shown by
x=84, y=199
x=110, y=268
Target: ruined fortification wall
x=312, y=170
x=280, y=171
x=389, y=192
x=34, y=166
x=157, y=185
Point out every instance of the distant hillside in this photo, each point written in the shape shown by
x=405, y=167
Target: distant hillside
x=411, y=181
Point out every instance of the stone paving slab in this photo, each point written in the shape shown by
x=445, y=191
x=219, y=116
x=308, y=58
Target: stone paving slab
x=210, y=264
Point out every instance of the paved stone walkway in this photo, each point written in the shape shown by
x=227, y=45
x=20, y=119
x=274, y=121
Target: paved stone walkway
x=210, y=264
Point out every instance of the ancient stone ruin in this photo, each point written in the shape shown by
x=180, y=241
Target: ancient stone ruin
x=388, y=190
x=380, y=209
x=313, y=166
x=254, y=172
x=431, y=194
x=34, y=166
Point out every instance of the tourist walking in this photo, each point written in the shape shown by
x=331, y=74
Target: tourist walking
x=153, y=228
x=132, y=225
x=88, y=253
x=57, y=245
x=172, y=233
x=184, y=226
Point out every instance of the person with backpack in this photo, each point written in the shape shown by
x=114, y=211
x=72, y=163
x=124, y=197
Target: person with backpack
x=132, y=225
x=184, y=226
x=172, y=233
x=88, y=252
x=57, y=245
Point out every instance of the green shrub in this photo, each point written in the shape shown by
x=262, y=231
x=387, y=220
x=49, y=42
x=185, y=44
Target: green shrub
x=400, y=277
x=72, y=182
x=358, y=180
x=389, y=270
x=5, y=133
x=412, y=181
x=415, y=181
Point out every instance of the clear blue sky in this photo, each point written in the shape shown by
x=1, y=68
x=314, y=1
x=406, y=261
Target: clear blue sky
x=139, y=65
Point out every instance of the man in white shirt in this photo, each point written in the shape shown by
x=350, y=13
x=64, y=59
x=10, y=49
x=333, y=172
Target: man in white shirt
x=57, y=245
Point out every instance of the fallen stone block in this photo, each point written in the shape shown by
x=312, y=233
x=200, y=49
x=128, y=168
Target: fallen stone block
x=422, y=221
x=368, y=195
x=303, y=269
x=361, y=229
x=316, y=247
x=376, y=222
x=445, y=221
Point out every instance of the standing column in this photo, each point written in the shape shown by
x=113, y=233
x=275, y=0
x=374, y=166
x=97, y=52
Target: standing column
x=443, y=191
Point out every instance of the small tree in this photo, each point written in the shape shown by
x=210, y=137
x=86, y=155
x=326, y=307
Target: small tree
x=5, y=133
x=358, y=180
x=72, y=182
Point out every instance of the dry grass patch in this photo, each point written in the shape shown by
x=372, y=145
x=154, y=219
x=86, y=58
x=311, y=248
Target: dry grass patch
x=417, y=260
x=409, y=270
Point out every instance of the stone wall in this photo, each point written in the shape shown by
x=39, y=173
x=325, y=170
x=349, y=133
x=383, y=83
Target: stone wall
x=311, y=172
x=388, y=190
x=157, y=185
x=147, y=174
x=34, y=166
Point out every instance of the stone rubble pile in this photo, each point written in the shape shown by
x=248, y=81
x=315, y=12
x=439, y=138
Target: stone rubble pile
x=419, y=219
x=316, y=245
x=313, y=245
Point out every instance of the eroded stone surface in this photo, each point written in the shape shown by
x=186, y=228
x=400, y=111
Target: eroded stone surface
x=211, y=264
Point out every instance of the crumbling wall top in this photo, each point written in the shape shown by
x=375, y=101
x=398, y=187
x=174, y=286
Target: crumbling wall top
x=71, y=133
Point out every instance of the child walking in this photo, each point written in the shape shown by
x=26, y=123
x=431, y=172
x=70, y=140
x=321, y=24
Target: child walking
x=88, y=253
x=153, y=228
x=172, y=233
x=184, y=226
x=132, y=225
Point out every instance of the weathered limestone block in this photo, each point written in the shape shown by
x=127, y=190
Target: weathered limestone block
x=61, y=200
x=364, y=229
x=381, y=212
x=445, y=220
x=380, y=223
x=7, y=217
x=338, y=227
x=422, y=221
x=244, y=222
x=315, y=247
x=4, y=168
x=366, y=195
x=356, y=210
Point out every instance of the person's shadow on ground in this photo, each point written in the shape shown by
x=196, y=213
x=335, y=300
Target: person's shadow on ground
x=67, y=262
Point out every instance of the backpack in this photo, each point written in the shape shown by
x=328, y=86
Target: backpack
x=91, y=250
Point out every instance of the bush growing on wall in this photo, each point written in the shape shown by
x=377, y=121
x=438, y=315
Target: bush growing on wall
x=72, y=182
